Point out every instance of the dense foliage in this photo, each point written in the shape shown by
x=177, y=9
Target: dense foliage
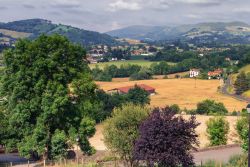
x=122, y=129
x=242, y=83
x=217, y=129
x=48, y=97
x=242, y=128
x=210, y=107
x=108, y=102
x=166, y=140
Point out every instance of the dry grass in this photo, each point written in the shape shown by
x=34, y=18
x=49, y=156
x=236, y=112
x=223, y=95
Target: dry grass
x=15, y=34
x=97, y=140
x=182, y=92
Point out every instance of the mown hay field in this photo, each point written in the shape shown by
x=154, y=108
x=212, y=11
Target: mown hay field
x=97, y=139
x=184, y=92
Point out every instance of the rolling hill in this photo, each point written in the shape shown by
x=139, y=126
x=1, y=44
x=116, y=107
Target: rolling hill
x=32, y=28
x=232, y=32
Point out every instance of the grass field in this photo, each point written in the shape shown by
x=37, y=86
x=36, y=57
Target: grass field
x=182, y=92
x=144, y=63
x=97, y=139
x=14, y=34
x=246, y=69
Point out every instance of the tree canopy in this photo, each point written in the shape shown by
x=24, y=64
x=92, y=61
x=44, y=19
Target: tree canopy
x=48, y=95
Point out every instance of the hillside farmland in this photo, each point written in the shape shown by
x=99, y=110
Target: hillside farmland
x=182, y=92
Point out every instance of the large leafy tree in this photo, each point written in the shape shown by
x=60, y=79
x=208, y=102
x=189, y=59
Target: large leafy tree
x=47, y=93
x=122, y=129
x=166, y=140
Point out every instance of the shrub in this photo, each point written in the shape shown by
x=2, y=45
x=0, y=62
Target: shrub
x=175, y=108
x=166, y=140
x=242, y=130
x=210, y=107
x=122, y=129
x=217, y=129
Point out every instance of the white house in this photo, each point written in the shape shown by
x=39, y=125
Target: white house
x=194, y=73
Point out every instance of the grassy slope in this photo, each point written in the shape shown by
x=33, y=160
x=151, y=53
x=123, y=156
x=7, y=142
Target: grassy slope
x=14, y=34
x=144, y=63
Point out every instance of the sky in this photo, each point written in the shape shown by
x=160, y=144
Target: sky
x=107, y=15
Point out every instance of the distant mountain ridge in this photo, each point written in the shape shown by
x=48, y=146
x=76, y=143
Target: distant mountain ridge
x=234, y=31
x=36, y=27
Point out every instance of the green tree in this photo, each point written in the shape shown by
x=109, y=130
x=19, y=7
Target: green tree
x=46, y=87
x=211, y=107
x=59, y=144
x=143, y=74
x=122, y=129
x=241, y=84
x=217, y=129
x=138, y=96
x=242, y=130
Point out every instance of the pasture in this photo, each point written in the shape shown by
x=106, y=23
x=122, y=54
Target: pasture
x=184, y=92
x=14, y=34
x=97, y=139
x=143, y=63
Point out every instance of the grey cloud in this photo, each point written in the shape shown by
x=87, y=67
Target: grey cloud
x=27, y=6
x=3, y=8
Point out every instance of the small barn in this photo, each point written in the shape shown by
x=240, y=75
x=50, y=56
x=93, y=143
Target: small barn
x=125, y=90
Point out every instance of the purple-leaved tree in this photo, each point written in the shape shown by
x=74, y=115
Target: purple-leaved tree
x=166, y=139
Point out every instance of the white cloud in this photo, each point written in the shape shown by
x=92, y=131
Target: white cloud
x=193, y=16
x=124, y=5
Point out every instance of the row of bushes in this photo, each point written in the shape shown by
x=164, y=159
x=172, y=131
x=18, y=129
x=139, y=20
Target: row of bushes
x=136, y=72
x=136, y=134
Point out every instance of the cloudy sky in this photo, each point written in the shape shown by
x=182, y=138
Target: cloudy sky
x=105, y=15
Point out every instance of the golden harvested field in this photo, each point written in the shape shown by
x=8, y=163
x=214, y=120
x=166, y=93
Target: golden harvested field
x=182, y=92
x=97, y=140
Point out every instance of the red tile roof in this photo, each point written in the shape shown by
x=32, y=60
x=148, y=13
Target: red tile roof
x=215, y=72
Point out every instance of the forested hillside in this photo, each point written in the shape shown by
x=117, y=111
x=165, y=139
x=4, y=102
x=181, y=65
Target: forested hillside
x=35, y=27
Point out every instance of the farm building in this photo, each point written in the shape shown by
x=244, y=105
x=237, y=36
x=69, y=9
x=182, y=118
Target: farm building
x=216, y=74
x=125, y=90
x=194, y=73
